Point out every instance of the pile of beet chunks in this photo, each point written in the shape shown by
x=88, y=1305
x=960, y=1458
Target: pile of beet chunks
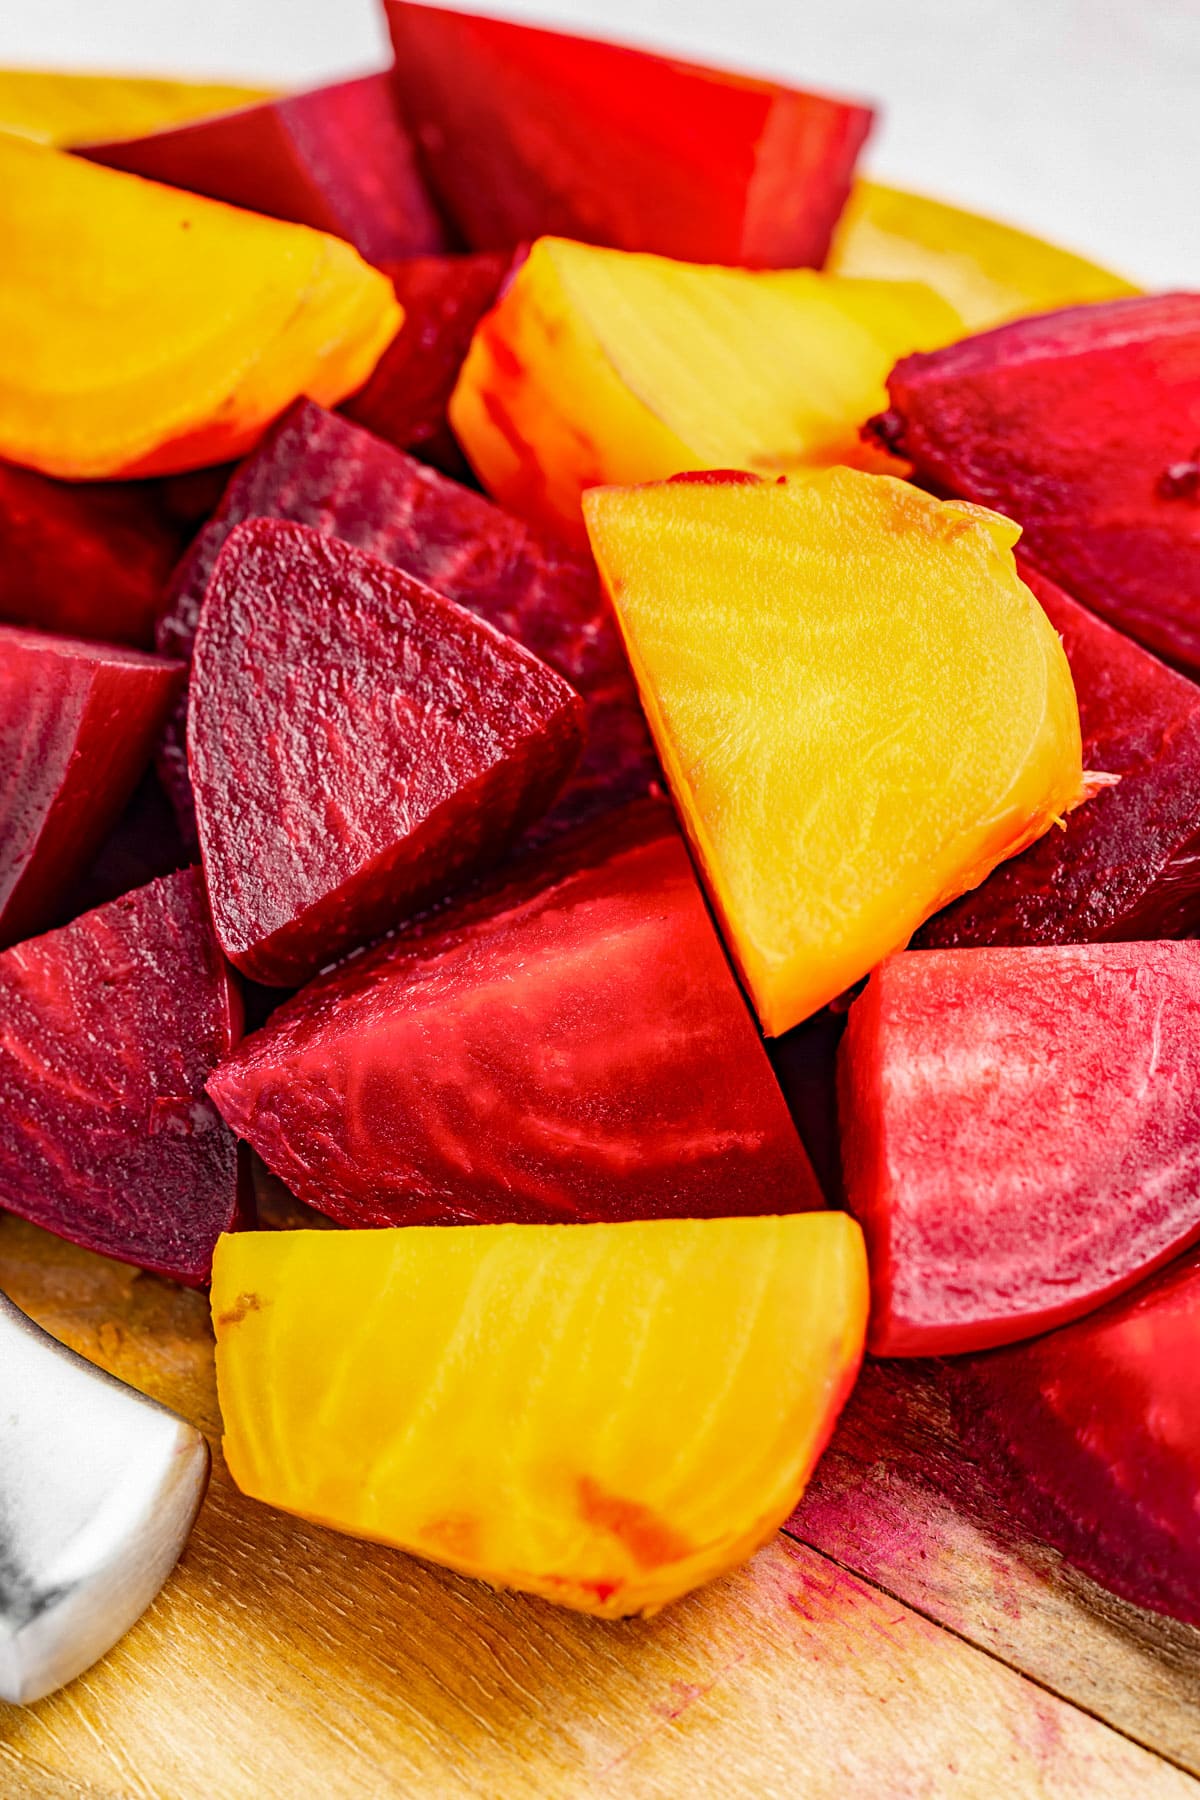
x=417, y=825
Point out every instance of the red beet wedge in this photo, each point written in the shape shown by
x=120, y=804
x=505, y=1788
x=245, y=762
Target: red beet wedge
x=1084, y=426
x=1126, y=865
x=111, y=1028
x=444, y=298
x=1020, y=1134
x=90, y=560
x=319, y=470
x=569, y=1046
x=526, y=132
x=337, y=158
x=78, y=723
x=357, y=745
x=1094, y=1434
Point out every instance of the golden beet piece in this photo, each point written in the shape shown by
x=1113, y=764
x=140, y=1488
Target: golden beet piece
x=53, y=108
x=607, y=1415
x=860, y=707
x=598, y=366
x=989, y=272
x=144, y=331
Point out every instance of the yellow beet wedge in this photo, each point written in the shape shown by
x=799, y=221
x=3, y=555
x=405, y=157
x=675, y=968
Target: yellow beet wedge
x=145, y=331
x=860, y=707
x=988, y=271
x=599, y=366
x=53, y=108
x=607, y=1415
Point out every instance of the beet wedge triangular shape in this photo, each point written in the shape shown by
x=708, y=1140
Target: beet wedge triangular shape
x=1126, y=865
x=570, y=1045
x=1084, y=427
x=525, y=133
x=1020, y=1134
x=78, y=723
x=319, y=470
x=357, y=745
x=111, y=1027
x=1093, y=1433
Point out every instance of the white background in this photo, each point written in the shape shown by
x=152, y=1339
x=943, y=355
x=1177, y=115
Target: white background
x=1076, y=118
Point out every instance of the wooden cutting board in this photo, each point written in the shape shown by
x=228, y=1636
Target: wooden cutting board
x=901, y=1639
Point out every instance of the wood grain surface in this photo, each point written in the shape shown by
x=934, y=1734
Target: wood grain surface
x=284, y=1661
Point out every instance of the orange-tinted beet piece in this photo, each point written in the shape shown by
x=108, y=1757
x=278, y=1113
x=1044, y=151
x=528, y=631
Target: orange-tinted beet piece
x=90, y=560
x=527, y=133
x=1084, y=426
x=336, y=158
x=571, y=1045
x=320, y=470
x=1126, y=865
x=111, y=1028
x=1020, y=1134
x=444, y=298
x=78, y=723
x=357, y=745
x=1093, y=1433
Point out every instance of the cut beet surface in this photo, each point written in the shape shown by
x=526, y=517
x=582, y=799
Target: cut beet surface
x=109, y=1030
x=358, y=745
x=337, y=158
x=571, y=1045
x=78, y=724
x=92, y=561
x=319, y=470
x=1020, y=1134
x=527, y=133
x=1093, y=1434
x=444, y=298
x=1126, y=865
x=1084, y=426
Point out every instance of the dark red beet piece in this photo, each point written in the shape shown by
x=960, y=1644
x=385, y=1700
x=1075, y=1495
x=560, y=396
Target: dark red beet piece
x=570, y=1045
x=91, y=559
x=337, y=158
x=525, y=132
x=1127, y=864
x=444, y=298
x=357, y=744
x=78, y=724
x=1072, y=423
x=320, y=470
x=1093, y=1436
x=1020, y=1134
x=144, y=844
x=110, y=1029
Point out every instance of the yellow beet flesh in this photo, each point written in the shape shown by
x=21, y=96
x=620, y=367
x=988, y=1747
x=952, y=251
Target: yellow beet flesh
x=989, y=272
x=53, y=108
x=599, y=366
x=860, y=707
x=607, y=1415
x=144, y=331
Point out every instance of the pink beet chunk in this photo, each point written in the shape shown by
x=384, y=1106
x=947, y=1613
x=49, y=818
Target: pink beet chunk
x=1084, y=426
x=320, y=470
x=571, y=1045
x=357, y=745
x=1094, y=1435
x=78, y=723
x=336, y=158
x=109, y=1029
x=1020, y=1134
x=1127, y=864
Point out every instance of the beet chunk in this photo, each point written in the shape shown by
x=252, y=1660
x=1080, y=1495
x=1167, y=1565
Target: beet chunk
x=78, y=723
x=570, y=1045
x=1080, y=425
x=110, y=1029
x=1020, y=1134
x=357, y=745
x=320, y=470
